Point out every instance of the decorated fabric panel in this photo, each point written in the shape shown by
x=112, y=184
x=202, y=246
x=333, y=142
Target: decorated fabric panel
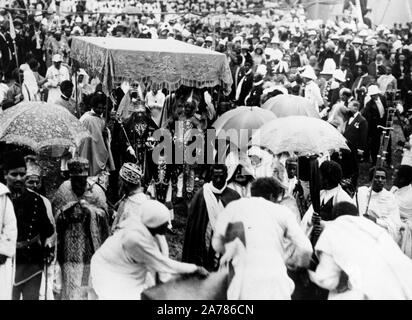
x=168, y=63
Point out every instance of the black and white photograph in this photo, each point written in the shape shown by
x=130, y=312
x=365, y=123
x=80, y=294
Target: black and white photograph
x=219, y=151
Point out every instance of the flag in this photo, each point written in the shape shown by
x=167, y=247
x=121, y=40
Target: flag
x=12, y=30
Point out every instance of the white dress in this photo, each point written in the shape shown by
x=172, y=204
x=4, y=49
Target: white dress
x=8, y=239
x=54, y=79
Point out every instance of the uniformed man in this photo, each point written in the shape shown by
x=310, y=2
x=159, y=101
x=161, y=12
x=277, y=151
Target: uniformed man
x=33, y=226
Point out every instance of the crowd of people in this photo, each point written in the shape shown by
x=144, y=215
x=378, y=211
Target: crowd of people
x=265, y=230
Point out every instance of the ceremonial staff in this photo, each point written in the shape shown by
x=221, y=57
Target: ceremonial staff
x=385, y=137
x=13, y=37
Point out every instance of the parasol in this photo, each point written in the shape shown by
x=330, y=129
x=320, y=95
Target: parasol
x=285, y=105
x=300, y=135
x=248, y=118
x=40, y=125
x=168, y=63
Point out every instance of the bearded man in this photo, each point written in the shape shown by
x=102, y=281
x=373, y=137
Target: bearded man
x=82, y=226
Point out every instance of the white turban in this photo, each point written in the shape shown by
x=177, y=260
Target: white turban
x=154, y=213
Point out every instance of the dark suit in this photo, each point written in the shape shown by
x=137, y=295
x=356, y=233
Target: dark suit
x=247, y=85
x=372, y=116
x=359, y=83
x=255, y=94
x=353, y=60
x=6, y=54
x=295, y=60
x=357, y=132
x=34, y=227
x=349, y=79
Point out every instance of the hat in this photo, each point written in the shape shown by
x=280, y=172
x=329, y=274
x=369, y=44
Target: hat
x=14, y=160
x=329, y=67
x=154, y=213
x=33, y=168
x=339, y=75
x=345, y=91
x=373, y=90
x=236, y=39
x=357, y=40
x=309, y=73
x=363, y=33
x=261, y=69
x=397, y=45
x=245, y=46
x=209, y=38
x=57, y=58
x=312, y=33
x=17, y=22
x=266, y=35
x=131, y=173
x=334, y=37
x=275, y=40
x=78, y=167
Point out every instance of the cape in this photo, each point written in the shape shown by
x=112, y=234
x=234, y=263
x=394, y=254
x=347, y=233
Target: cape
x=194, y=247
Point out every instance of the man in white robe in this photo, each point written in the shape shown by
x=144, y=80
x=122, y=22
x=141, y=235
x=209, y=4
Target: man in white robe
x=383, y=208
x=330, y=194
x=358, y=260
x=251, y=233
x=55, y=75
x=402, y=191
x=8, y=239
x=136, y=255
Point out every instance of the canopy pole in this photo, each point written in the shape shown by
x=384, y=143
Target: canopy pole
x=76, y=89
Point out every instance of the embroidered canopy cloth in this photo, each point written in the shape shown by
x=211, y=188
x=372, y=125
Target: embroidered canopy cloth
x=168, y=63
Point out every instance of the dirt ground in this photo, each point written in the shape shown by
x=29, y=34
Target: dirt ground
x=53, y=179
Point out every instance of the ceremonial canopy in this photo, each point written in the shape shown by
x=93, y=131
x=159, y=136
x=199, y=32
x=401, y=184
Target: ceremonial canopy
x=169, y=63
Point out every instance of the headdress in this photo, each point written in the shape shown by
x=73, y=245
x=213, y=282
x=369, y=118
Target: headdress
x=131, y=173
x=78, y=167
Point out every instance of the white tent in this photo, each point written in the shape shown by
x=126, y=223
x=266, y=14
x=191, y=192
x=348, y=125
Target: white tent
x=388, y=12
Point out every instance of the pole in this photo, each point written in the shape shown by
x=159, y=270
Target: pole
x=13, y=37
x=76, y=89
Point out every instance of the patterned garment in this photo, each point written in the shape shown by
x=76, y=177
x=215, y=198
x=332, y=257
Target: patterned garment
x=81, y=230
x=77, y=254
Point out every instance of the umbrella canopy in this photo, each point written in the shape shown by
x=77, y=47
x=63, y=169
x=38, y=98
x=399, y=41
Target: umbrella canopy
x=168, y=63
x=248, y=118
x=40, y=125
x=285, y=105
x=299, y=135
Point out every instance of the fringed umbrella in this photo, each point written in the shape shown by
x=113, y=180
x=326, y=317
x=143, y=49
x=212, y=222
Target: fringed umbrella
x=41, y=126
x=285, y=105
x=243, y=120
x=299, y=135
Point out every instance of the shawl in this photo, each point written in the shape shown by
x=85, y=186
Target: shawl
x=195, y=249
x=367, y=254
x=213, y=205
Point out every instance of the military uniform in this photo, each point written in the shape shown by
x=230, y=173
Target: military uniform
x=34, y=227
